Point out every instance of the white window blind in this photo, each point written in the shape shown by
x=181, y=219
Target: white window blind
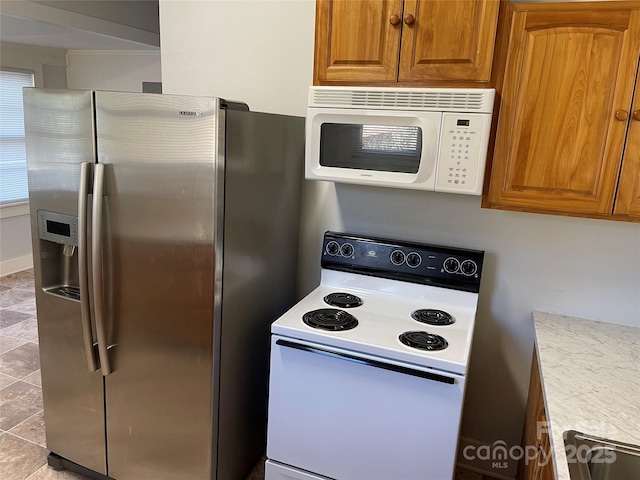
x=13, y=159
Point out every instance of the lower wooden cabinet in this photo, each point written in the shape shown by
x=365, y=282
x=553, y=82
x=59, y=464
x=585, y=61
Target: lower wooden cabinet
x=536, y=435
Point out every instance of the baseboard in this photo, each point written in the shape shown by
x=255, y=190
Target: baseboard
x=16, y=264
x=489, y=459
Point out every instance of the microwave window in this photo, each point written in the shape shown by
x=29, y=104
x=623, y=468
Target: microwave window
x=384, y=148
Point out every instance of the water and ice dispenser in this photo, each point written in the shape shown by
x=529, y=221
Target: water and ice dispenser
x=58, y=234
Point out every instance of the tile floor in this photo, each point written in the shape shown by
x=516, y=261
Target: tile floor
x=23, y=448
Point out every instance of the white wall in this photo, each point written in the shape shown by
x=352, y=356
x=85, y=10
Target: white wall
x=257, y=51
x=262, y=52
x=141, y=14
x=122, y=71
x=15, y=230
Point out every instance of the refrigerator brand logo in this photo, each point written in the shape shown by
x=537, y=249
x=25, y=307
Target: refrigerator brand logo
x=184, y=113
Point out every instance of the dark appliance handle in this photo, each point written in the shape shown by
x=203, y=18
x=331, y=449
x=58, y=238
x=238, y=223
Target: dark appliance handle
x=366, y=361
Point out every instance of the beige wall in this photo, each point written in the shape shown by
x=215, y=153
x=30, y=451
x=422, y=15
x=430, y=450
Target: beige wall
x=121, y=71
x=29, y=57
x=261, y=52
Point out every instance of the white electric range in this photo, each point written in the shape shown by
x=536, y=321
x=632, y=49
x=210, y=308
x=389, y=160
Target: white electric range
x=368, y=370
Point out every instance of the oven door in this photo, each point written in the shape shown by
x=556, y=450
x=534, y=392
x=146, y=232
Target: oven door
x=357, y=417
x=385, y=147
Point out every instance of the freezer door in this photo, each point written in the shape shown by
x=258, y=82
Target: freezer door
x=59, y=135
x=159, y=234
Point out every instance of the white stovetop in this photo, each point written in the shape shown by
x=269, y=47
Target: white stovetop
x=384, y=315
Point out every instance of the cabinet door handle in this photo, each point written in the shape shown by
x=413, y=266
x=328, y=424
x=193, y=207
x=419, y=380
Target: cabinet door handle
x=409, y=19
x=394, y=20
x=636, y=115
x=622, y=115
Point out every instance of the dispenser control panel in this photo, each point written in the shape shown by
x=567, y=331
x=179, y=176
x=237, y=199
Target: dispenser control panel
x=58, y=227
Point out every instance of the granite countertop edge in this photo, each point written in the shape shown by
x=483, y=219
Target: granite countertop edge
x=590, y=374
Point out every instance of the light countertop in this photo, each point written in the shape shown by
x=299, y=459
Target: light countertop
x=591, y=380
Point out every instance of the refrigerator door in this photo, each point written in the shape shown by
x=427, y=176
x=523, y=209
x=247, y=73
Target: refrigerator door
x=59, y=133
x=160, y=280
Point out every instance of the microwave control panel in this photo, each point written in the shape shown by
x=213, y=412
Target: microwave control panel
x=464, y=140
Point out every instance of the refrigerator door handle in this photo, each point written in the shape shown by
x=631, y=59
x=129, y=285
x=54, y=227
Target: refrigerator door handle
x=96, y=263
x=83, y=266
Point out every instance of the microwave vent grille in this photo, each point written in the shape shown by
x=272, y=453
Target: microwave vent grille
x=455, y=100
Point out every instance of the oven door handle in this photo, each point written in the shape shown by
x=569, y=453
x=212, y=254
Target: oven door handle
x=366, y=361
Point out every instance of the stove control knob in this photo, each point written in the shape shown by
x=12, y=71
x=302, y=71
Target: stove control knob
x=468, y=267
x=397, y=257
x=346, y=250
x=451, y=265
x=414, y=259
x=332, y=248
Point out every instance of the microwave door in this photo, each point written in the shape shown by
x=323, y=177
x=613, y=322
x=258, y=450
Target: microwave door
x=376, y=148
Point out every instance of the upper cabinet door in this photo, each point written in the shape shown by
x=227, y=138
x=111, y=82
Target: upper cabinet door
x=357, y=40
x=628, y=200
x=566, y=97
x=448, y=40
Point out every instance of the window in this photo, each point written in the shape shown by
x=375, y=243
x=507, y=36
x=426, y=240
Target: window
x=13, y=159
x=386, y=138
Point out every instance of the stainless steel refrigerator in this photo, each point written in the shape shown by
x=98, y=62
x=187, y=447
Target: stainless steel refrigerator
x=165, y=235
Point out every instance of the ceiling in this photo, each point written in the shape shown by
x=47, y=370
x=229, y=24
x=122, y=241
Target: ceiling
x=36, y=23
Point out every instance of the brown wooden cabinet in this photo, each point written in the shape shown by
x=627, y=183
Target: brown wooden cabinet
x=418, y=42
x=536, y=435
x=566, y=118
x=628, y=199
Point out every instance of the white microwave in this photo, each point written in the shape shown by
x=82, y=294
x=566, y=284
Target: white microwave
x=418, y=138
